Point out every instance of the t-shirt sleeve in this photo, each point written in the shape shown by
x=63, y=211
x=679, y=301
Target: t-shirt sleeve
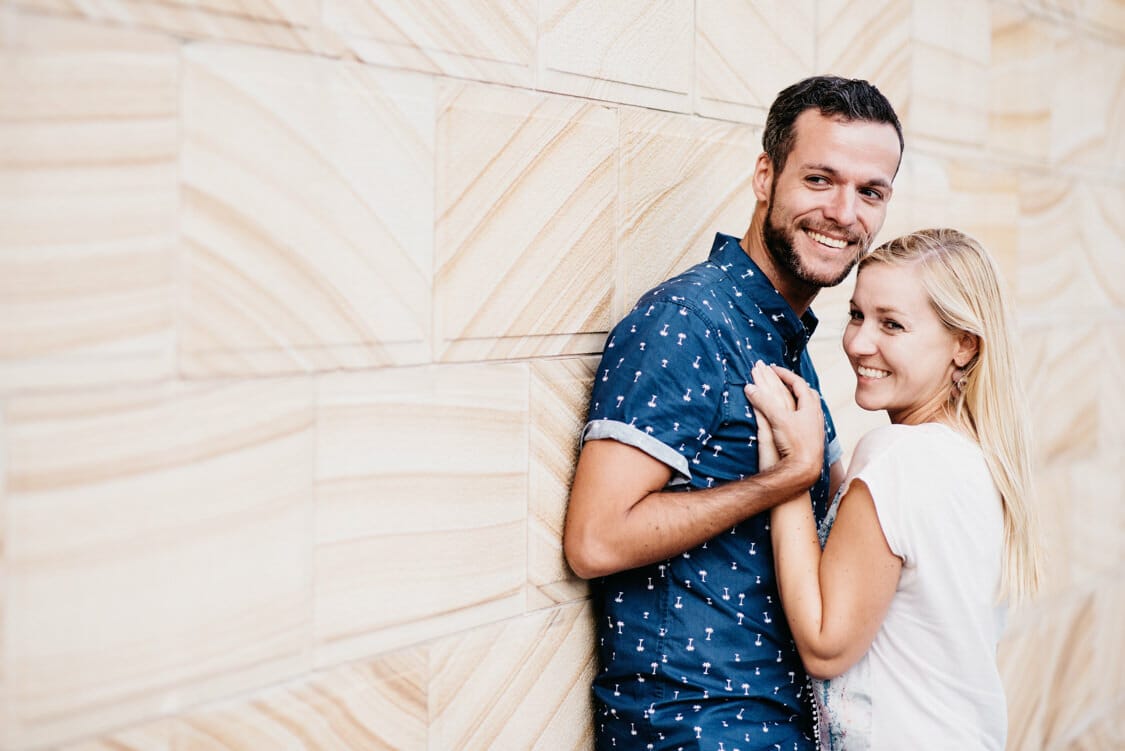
x=888, y=466
x=659, y=385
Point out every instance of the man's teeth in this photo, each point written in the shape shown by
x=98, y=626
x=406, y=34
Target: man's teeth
x=871, y=372
x=826, y=240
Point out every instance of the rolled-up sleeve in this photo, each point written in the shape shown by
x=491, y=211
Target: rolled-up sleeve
x=659, y=385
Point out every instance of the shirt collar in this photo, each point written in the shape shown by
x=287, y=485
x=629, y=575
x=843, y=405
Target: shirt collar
x=728, y=255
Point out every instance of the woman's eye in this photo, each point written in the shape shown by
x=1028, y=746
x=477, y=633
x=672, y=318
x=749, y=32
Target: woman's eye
x=893, y=325
x=855, y=315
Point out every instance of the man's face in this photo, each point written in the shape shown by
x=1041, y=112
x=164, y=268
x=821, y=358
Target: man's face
x=828, y=203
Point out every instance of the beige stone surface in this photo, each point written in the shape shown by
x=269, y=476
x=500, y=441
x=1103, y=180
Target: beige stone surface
x=87, y=203
x=421, y=506
x=525, y=216
x=487, y=40
x=284, y=24
x=1065, y=229
x=1096, y=528
x=374, y=705
x=1061, y=367
x=1088, y=129
x=868, y=39
x=1061, y=664
x=682, y=180
x=1111, y=433
x=560, y=391
x=929, y=57
x=156, y=550
x=1103, y=18
x=1020, y=89
x=530, y=680
x=637, y=53
x=949, y=57
x=301, y=252
x=295, y=12
x=746, y=52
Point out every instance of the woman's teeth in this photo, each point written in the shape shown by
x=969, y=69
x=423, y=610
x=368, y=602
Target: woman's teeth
x=871, y=372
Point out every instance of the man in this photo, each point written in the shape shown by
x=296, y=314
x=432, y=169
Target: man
x=666, y=509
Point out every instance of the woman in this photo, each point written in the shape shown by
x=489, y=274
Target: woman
x=932, y=529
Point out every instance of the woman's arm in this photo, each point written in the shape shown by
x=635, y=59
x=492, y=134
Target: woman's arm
x=834, y=601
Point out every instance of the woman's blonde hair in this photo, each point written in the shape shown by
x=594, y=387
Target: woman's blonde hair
x=963, y=285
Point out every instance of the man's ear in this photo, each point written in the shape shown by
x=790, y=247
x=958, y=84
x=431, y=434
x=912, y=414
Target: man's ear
x=763, y=177
x=967, y=347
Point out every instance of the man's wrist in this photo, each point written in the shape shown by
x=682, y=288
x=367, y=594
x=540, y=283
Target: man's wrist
x=794, y=474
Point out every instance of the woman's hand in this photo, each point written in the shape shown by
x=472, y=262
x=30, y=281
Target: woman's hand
x=790, y=420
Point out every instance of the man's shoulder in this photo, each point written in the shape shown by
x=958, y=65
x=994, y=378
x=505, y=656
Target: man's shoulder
x=689, y=285
x=701, y=290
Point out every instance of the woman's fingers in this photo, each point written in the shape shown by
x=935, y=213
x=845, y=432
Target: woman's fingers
x=796, y=428
x=792, y=381
x=807, y=397
x=770, y=386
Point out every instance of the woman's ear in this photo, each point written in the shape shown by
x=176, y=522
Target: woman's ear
x=967, y=347
x=763, y=177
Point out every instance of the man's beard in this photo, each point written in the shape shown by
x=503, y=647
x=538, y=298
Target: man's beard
x=780, y=247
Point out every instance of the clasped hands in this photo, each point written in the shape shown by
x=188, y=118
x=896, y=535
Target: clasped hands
x=790, y=419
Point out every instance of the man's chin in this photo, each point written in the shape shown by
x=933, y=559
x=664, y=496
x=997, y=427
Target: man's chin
x=826, y=277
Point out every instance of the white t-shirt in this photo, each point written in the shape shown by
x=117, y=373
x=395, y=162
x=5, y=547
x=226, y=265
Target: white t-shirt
x=930, y=679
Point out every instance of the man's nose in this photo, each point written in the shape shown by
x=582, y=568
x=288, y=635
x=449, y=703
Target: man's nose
x=841, y=207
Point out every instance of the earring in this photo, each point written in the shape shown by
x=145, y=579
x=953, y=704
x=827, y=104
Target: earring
x=960, y=379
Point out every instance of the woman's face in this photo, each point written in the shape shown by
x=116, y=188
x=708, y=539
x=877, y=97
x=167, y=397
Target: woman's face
x=901, y=352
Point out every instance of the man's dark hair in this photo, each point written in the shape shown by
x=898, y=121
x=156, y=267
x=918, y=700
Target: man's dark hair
x=850, y=99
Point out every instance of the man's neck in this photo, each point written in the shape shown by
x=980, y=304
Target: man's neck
x=798, y=294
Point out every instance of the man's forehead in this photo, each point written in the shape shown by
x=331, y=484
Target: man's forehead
x=826, y=141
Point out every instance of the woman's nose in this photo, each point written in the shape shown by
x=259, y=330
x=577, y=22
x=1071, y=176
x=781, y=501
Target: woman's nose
x=858, y=340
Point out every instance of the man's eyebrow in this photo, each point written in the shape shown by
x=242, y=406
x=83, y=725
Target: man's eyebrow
x=875, y=182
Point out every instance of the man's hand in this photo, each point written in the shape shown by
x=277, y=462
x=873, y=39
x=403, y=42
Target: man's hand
x=796, y=427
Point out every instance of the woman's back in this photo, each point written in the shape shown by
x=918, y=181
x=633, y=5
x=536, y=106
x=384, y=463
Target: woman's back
x=930, y=678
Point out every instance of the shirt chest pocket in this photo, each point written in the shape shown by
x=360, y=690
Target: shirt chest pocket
x=738, y=431
x=737, y=409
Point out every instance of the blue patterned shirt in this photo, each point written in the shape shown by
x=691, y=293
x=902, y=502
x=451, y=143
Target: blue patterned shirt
x=696, y=648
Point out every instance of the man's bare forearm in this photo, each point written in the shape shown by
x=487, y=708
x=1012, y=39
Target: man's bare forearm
x=619, y=525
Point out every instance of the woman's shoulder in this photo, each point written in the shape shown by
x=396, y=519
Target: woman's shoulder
x=925, y=443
